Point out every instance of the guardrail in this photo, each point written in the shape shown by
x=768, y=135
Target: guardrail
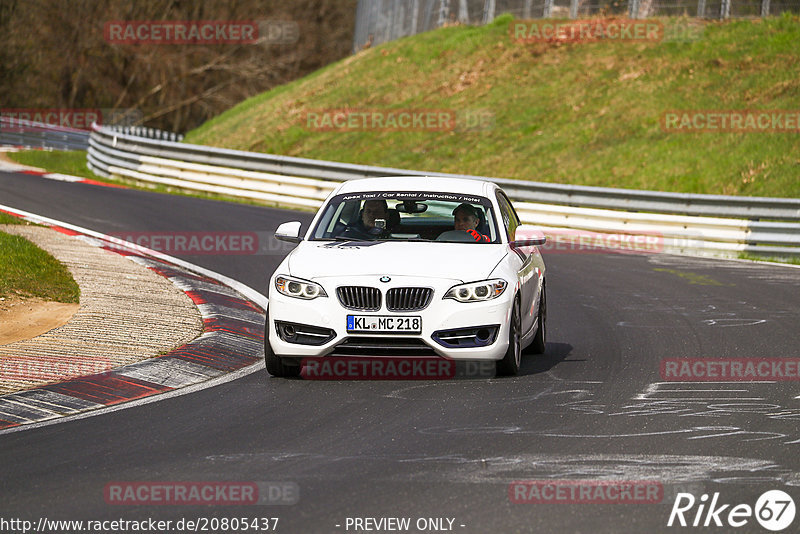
x=31, y=134
x=688, y=223
x=24, y=133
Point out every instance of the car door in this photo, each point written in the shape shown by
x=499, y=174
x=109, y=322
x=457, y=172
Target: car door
x=527, y=273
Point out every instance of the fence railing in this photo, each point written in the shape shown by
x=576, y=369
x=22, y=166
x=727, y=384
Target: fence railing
x=149, y=133
x=688, y=223
x=380, y=21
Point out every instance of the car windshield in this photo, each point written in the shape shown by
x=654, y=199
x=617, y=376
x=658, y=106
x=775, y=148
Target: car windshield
x=408, y=216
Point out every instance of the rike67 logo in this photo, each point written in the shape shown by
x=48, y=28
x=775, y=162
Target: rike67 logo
x=774, y=510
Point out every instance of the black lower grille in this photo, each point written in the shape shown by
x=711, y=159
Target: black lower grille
x=383, y=346
x=406, y=299
x=359, y=298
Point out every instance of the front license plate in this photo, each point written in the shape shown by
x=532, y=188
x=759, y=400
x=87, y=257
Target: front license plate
x=384, y=323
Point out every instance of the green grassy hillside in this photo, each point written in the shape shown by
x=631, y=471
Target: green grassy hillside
x=579, y=113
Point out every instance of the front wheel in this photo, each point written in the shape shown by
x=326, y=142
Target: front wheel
x=509, y=365
x=274, y=363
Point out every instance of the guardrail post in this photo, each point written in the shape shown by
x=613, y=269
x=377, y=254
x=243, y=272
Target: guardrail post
x=488, y=11
x=573, y=9
x=633, y=9
x=444, y=12
x=725, y=9
x=548, y=9
x=463, y=12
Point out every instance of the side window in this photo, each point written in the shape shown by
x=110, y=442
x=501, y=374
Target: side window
x=336, y=218
x=510, y=219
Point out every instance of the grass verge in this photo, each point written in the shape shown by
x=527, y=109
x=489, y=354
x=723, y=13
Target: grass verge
x=28, y=271
x=5, y=218
x=72, y=162
x=772, y=259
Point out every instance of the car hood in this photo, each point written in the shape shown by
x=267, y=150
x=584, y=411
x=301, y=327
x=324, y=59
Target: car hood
x=464, y=262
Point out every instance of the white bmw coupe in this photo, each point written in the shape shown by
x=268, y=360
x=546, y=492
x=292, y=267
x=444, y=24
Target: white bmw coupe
x=409, y=267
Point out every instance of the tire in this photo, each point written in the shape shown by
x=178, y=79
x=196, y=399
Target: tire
x=538, y=345
x=509, y=365
x=274, y=363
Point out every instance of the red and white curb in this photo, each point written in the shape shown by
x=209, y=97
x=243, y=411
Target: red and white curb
x=32, y=171
x=231, y=344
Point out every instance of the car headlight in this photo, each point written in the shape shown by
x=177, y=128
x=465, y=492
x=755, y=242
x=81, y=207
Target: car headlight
x=477, y=291
x=299, y=289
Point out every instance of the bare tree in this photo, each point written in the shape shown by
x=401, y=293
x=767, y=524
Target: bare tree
x=54, y=55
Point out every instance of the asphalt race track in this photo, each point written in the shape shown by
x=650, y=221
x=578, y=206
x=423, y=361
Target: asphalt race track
x=594, y=407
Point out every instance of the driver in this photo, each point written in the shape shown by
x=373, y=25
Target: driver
x=365, y=227
x=466, y=217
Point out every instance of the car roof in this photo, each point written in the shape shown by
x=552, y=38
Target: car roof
x=419, y=183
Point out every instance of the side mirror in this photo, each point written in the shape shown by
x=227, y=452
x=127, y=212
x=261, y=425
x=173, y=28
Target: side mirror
x=528, y=235
x=289, y=231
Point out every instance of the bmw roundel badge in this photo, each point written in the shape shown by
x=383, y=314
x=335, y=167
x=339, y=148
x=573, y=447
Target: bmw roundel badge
x=385, y=279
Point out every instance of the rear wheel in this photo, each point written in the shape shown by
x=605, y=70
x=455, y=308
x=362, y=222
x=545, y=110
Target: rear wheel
x=509, y=365
x=538, y=345
x=274, y=363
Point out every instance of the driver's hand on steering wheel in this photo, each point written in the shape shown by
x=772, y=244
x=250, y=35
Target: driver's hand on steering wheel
x=480, y=238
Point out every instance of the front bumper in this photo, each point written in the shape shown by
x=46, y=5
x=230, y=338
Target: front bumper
x=446, y=323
